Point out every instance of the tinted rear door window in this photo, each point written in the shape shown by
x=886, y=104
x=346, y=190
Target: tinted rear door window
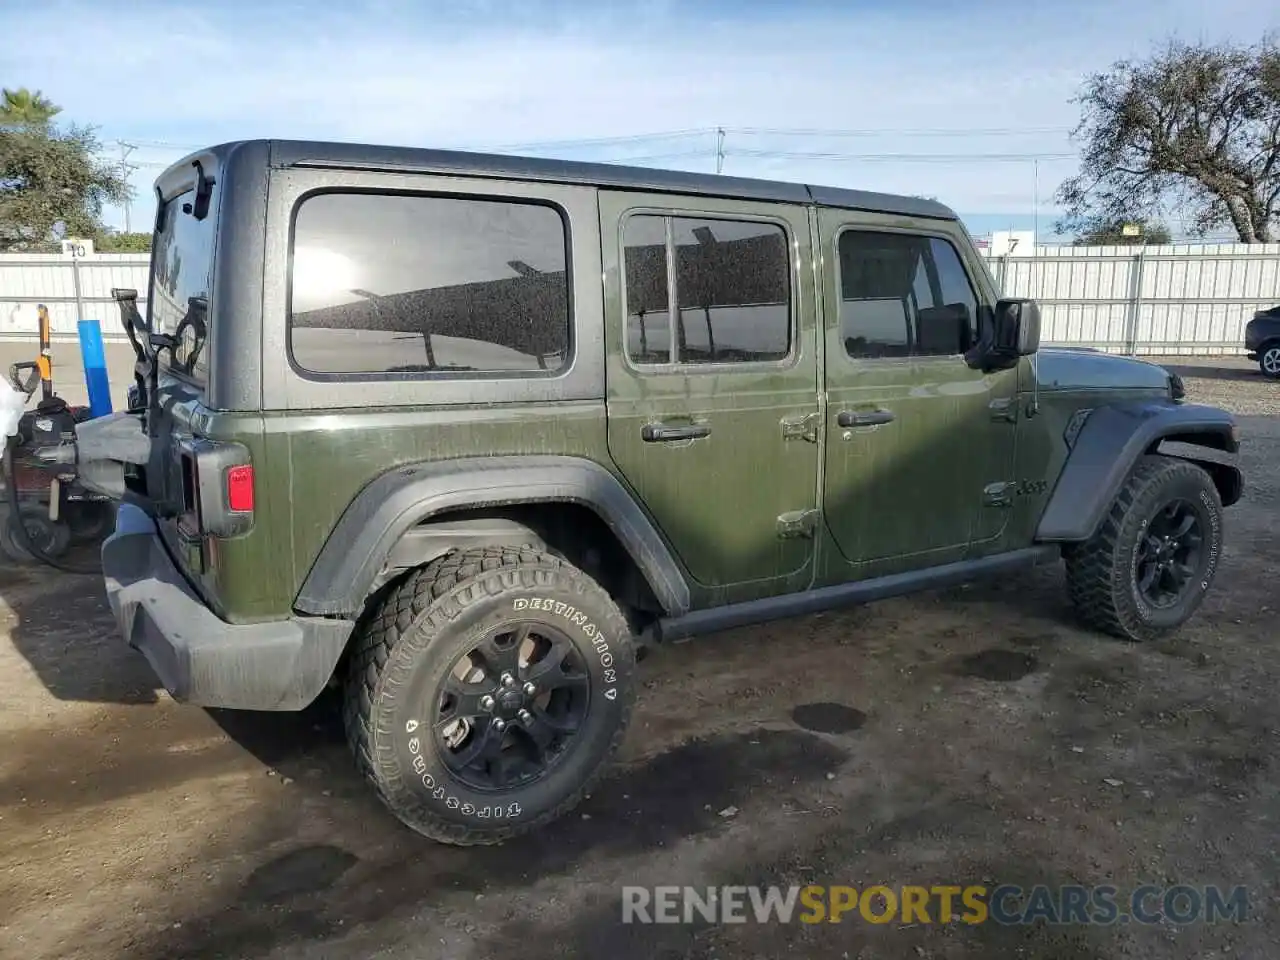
x=731, y=286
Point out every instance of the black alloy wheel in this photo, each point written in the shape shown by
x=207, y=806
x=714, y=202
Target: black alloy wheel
x=511, y=706
x=1168, y=557
x=1148, y=567
x=487, y=692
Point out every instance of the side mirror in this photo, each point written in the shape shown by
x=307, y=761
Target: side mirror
x=1016, y=325
x=1014, y=333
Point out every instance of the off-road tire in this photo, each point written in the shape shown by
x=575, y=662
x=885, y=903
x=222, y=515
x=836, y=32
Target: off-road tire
x=410, y=640
x=1101, y=573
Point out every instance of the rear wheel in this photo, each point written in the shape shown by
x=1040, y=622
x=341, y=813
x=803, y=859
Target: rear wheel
x=1147, y=570
x=1269, y=360
x=487, y=691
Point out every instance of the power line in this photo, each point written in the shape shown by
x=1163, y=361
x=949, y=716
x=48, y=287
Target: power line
x=620, y=140
x=712, y=131
x=902, y=157
x=648, y=158
x=718, y=147
x=903, y=132
x=167, y=144
x=603, y=141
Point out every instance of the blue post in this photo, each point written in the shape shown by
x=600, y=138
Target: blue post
x=95, y=367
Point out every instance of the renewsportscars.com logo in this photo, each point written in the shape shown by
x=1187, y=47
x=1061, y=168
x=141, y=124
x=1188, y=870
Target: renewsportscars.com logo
x=1005, y=904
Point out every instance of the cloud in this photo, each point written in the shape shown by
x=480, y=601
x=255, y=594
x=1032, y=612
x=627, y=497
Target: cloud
x=480, y=73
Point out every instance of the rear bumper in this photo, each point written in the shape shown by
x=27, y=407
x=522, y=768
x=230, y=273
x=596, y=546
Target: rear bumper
x=200, y=658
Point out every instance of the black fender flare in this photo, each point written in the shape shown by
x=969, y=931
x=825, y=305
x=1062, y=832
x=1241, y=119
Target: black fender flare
x=349, y=564
x=1110, y=442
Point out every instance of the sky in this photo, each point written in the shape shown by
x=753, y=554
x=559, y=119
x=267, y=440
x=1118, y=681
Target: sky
x=966, y=102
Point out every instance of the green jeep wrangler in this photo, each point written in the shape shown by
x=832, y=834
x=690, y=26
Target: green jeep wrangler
x=464, y=434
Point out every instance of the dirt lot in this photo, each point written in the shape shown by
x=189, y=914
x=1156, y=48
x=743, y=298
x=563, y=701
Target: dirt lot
x=978, y=736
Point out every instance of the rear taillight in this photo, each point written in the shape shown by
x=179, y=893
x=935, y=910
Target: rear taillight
x=240, y=488
x=218, y=487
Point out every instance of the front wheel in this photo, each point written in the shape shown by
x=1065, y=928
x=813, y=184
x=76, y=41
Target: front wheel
x=487, y=692
x=1269, y=360
x=1147, y=570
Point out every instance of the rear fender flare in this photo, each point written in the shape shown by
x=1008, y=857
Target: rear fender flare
x=1109, y=444
x=355, y=556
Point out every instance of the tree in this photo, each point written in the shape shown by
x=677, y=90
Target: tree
x=52, y=186
x=1099, y=234
x=113, y=242
x=1194, y=126
x=24, y=108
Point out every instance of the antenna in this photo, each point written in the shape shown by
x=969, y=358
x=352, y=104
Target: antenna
x=1035, y=385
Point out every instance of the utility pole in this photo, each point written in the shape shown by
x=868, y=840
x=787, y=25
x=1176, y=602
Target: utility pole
x=1035, y=204
x=719, y=149
x=125, y=169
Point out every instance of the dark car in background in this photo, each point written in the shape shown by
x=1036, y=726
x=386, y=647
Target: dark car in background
x=1262, y=340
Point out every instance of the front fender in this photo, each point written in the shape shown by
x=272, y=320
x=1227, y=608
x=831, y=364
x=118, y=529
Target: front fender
x=1110, y=443
x=349, y=563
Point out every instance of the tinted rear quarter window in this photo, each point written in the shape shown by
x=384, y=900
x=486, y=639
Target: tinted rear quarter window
x=403, y=284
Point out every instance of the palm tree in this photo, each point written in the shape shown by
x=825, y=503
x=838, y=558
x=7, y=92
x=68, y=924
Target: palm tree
x=22, y=107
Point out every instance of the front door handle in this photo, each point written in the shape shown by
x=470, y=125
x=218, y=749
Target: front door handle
x=867, y=418
x=664, y=433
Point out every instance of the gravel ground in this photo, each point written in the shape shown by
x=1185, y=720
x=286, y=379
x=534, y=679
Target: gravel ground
x=1233, y=383
x=974, y=735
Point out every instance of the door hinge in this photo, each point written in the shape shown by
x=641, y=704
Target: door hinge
x=801, y=428
x=797, y=523
x=998, y=494
x=1004, y=409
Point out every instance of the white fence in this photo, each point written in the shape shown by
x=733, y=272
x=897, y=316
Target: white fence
x=1184, y=299
x=1161, y=300
x=27, y=279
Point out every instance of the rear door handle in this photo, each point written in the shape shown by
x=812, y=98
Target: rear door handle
x=663, y=433
x=868, y=418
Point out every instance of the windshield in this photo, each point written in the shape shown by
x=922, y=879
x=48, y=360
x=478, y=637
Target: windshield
x=182, y=271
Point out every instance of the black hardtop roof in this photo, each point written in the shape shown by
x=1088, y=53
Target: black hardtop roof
x=301, y=153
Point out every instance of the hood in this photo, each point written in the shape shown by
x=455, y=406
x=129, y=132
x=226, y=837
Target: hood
x=1059, y=368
